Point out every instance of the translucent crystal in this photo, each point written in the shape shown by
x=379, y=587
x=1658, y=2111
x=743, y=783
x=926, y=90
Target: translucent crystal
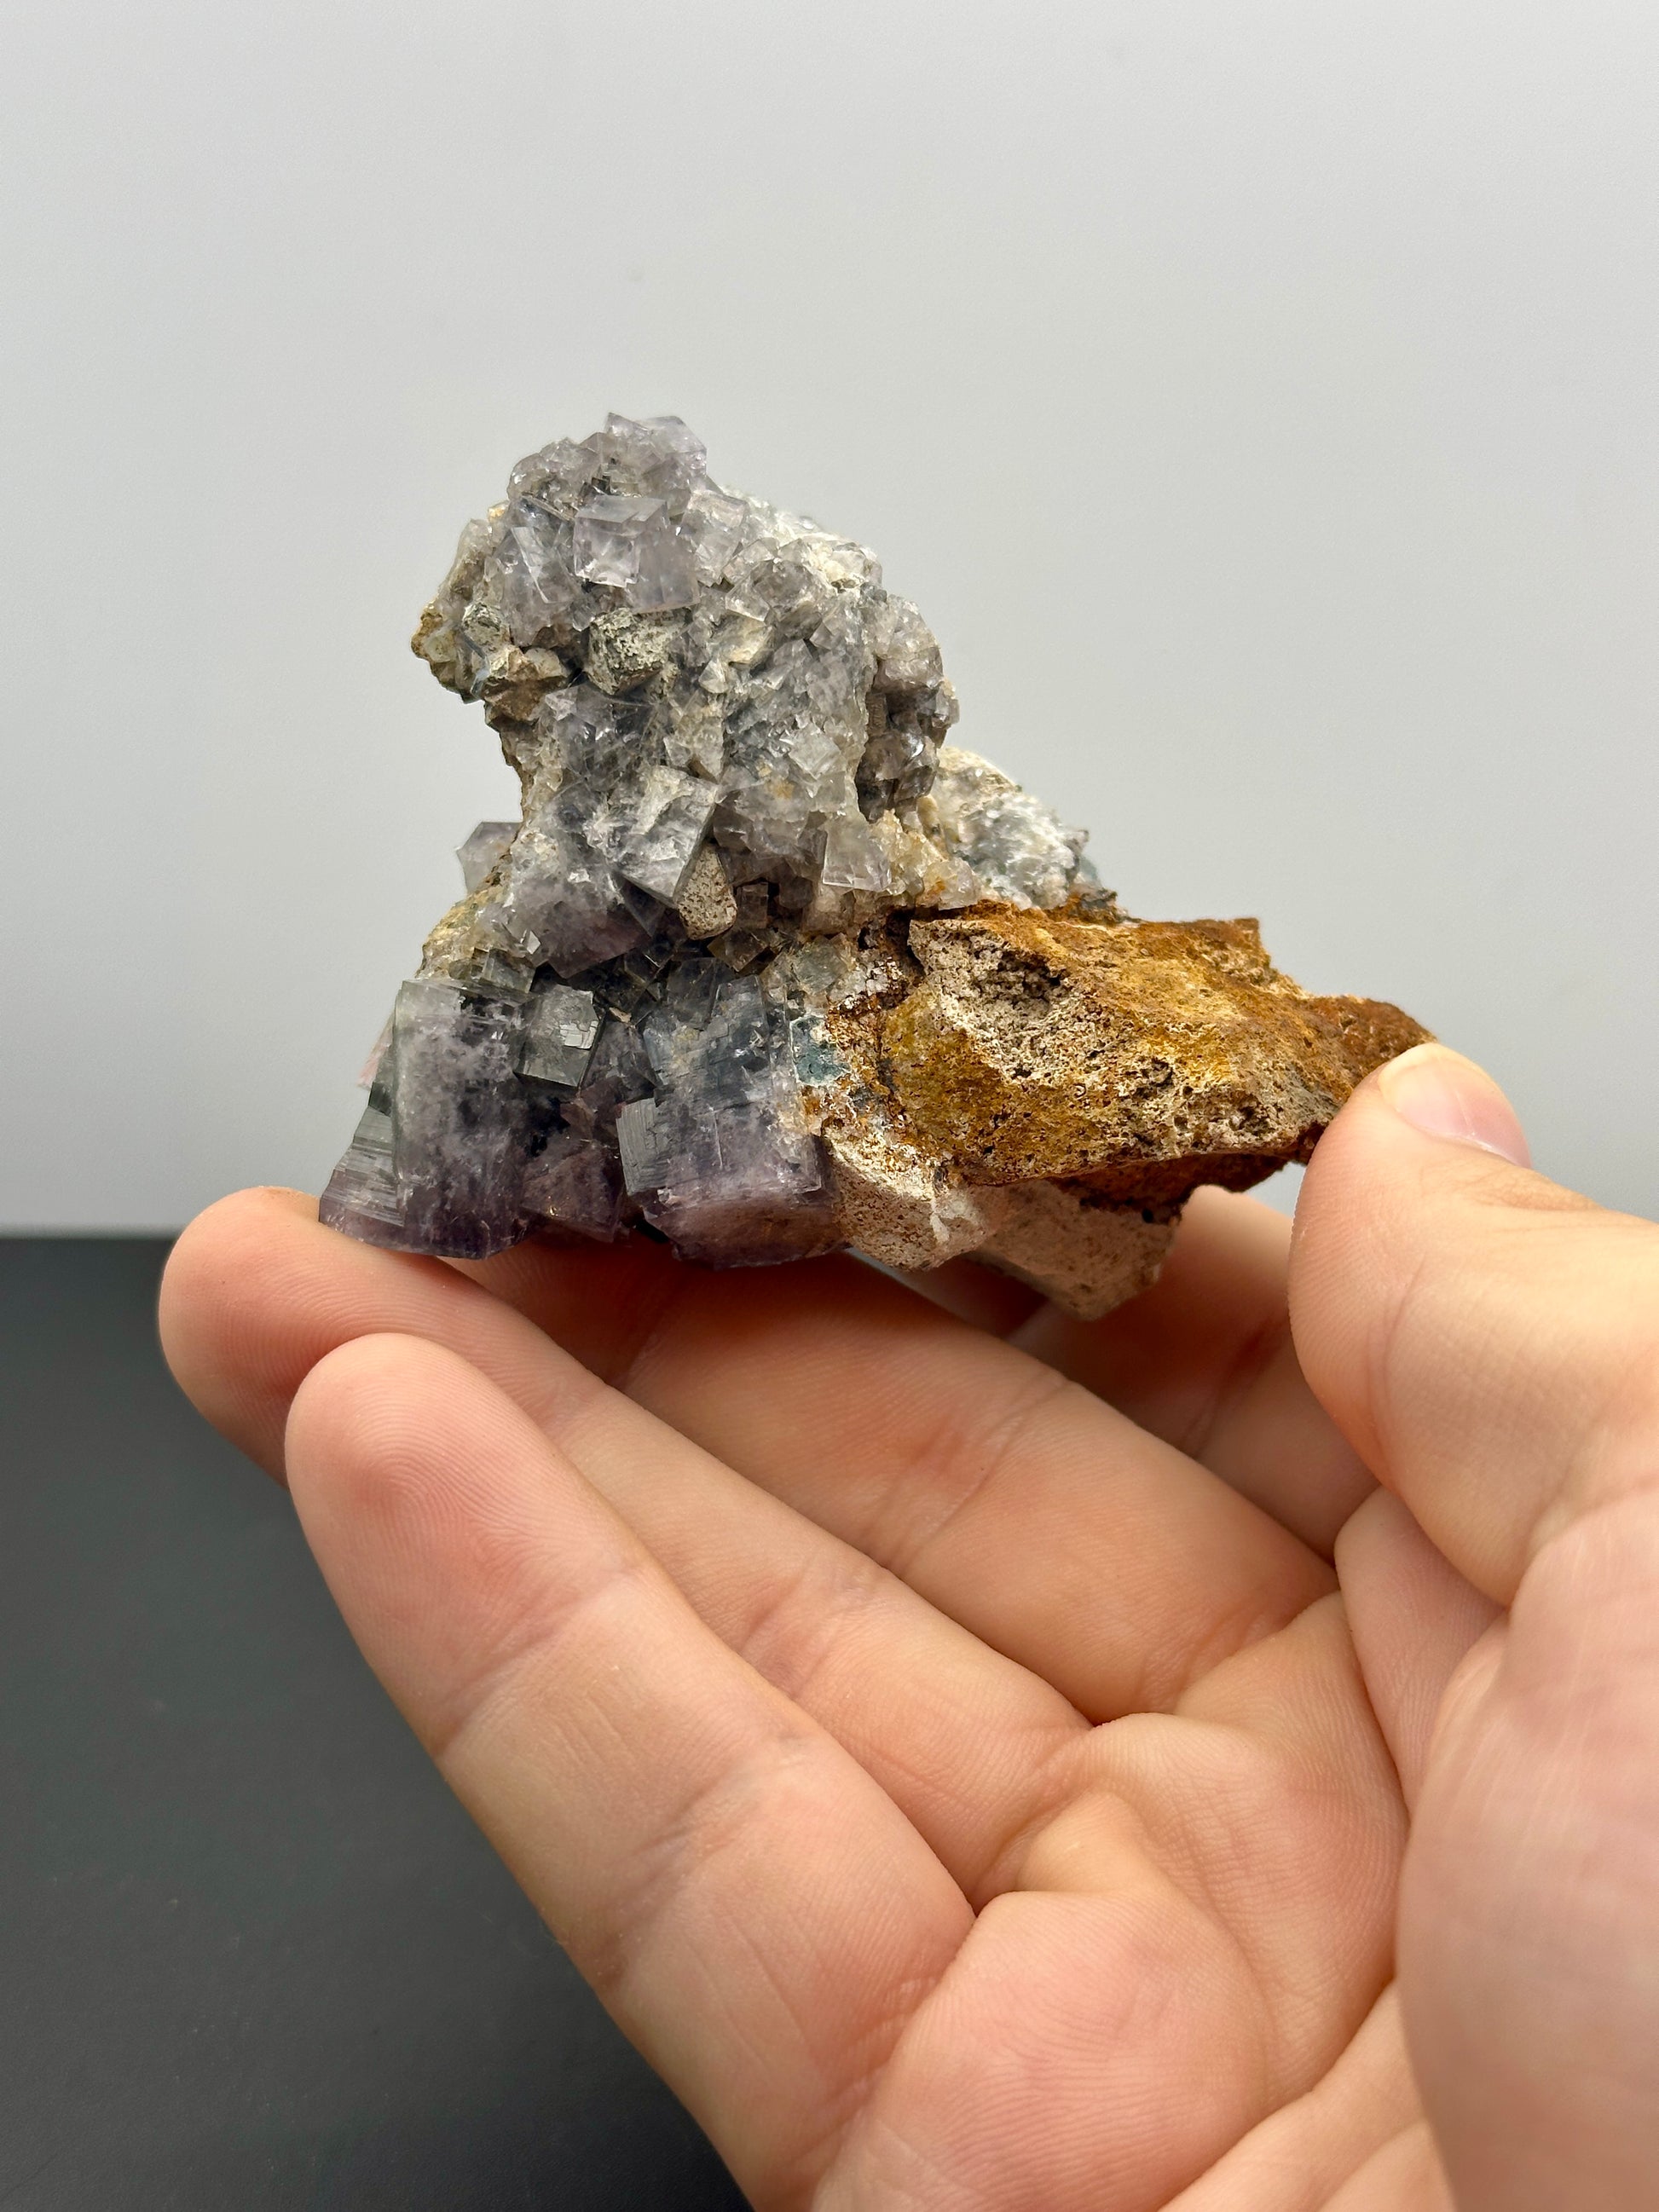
x=558, y=475
x=714, y=522
x=561, y=1027
x=591, y=740
x=742, y=1187
x=658, y=455
x=651, y=837
x=618, y=1071
x=1014, y=843
x=502, y=974
x=573, y=1184
x=634, y=544
x=370, y=1069
x=651, y=1142
x=666, y=574
x=361, y=1194
x=532, y=568
x=561, y=904
x=908, y=660
x=608, y=533
x=482, y=848
x=459, y=1120
x=852, y=859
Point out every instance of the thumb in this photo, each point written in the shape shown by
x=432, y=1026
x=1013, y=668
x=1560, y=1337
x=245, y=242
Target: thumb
x=1490, y=1344
x=1487, y=1341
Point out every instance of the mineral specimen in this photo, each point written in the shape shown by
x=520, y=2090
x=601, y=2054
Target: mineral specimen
x=767, y=967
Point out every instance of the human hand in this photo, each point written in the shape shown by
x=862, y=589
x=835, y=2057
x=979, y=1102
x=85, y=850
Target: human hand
x=973, y=1790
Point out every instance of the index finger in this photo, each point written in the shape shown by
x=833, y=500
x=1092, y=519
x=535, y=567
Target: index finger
x=752, y=1908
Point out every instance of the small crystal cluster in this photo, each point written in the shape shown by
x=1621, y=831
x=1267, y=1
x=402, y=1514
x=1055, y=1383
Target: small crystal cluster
x=652, y=1005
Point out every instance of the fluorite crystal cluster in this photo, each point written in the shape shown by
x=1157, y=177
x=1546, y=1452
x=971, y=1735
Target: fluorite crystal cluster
x=767, y=967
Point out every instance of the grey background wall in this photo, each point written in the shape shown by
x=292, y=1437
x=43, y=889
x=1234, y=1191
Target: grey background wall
x=1258, y=400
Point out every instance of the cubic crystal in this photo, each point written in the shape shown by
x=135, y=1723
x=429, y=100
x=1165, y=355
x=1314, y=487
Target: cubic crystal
x=486, y=845
x=561, y=1027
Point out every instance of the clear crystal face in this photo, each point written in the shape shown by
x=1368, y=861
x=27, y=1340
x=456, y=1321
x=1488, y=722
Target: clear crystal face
x=731, y=741
x=572, y=1183
x=486, y=846
x=611, y=531
x=561, y=1027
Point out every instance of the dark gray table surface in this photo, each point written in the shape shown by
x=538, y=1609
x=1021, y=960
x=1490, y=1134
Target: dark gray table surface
x=252, y=1955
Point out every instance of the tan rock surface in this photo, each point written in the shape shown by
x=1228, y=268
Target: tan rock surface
x=1077, y=1248
x=1146, y=1057
x=707, y=905
x=901, y=1206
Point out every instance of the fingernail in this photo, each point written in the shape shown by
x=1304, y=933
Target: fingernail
x=1443, y=1094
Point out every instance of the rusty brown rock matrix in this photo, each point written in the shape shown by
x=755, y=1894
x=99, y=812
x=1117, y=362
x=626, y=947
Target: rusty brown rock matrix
x=766, y=967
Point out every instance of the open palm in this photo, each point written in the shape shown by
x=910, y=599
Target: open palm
x=972, y=1758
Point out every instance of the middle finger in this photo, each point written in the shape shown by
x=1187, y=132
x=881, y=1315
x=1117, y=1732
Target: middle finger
x=969, y=1745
